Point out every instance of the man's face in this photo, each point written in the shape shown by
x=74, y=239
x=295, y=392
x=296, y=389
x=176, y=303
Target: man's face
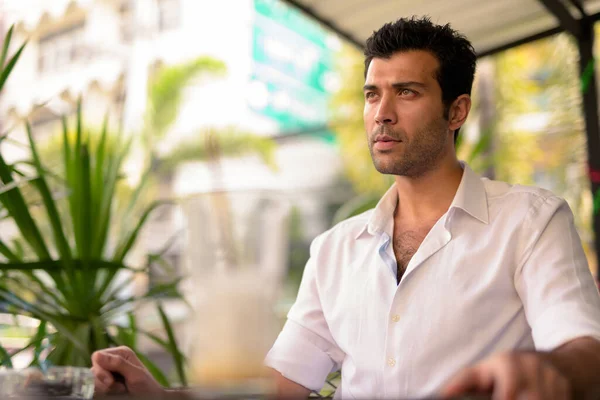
x=404, y=114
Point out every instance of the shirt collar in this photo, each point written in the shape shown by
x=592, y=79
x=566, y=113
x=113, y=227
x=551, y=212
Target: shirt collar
x=470, y=197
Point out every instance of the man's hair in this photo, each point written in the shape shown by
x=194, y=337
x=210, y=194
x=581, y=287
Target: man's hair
x=453, y=51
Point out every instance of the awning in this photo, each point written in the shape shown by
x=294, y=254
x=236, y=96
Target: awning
x=491, y=25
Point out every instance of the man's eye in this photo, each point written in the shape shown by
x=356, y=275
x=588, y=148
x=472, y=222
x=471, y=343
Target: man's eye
x=406, y=92
x=369, y=95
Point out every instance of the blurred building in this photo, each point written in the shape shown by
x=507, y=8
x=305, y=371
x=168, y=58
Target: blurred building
x=279, y=77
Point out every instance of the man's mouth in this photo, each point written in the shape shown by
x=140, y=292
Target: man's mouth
x=385, y=143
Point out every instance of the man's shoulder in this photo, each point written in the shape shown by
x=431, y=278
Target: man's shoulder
x=500, y=193
x=503, y=191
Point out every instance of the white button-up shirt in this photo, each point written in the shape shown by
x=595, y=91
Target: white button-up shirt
x=502, y=270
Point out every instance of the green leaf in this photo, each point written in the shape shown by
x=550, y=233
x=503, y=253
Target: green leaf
x=98, y=191
x=134, y=199
x=125, y=336
x=26, y=308
x=133, y=327
x=29, y=282
x=10, y=65
x=127, y=244
x=58, y=355
x=174, y=350
x=154, y=370
x=59, y=237
x=5, y=46
x=163, y=343
x=113, y=167
x=73, y=174
x=85, y=216
x=99, y=333
x=5, y=358
x=8, y=253
x=38, y=339
x=14, y=202
x=55, y=266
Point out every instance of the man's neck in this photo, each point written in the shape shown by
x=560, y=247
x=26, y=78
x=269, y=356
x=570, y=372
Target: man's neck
x=428, y=196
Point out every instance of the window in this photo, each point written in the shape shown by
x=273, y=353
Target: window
x=126, y=14
x=60, y=48
x=169, y=14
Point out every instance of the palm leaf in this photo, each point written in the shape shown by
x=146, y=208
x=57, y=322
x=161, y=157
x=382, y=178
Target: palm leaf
x=59, y=236
x=8, y=253
x=5, y=46
x=129, y=241
x=154, y=370
x=26, y=308
x=10, y=65
x=99, y=333
x=174, y=350
x=98, y=191
x=14, y=202
x=5, y=358
x=38, y=338
x=104, y=217
x=55, y=266
x=163, y=343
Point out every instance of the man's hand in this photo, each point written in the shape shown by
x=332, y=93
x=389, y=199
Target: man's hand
x=511, y=376
x=123, y=361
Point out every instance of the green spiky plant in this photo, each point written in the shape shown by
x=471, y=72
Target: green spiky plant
x=62, y=266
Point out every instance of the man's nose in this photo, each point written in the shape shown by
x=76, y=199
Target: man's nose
x=386, y=112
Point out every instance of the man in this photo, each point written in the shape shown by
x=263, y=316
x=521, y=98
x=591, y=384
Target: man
x=453, y=284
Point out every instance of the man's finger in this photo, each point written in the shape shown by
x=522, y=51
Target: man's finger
x=553, y=385
x=510, y=379
x=108, y=386
x=471, y=380
x=114, y=363
x=102, y=375
x=100, y=387
x=124, y=352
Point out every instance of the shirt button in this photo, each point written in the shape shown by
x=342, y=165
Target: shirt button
x=396, y=318
x=391, y=362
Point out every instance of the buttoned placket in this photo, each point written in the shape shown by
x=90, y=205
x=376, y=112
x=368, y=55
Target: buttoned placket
x=435, y=241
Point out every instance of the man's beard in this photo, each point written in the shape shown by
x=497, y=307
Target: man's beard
x=420, y=154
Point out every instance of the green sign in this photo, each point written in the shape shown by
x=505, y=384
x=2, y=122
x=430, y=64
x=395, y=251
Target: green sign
x=292, y=73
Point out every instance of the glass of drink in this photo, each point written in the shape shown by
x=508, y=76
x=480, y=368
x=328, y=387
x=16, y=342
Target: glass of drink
x=236, y=251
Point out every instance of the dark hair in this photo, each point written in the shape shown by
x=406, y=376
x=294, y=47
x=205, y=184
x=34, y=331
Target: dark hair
x=453, y=51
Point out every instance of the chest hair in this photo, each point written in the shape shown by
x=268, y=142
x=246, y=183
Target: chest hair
x=406, y=243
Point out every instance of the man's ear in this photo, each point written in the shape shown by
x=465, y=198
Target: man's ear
x=459, y=111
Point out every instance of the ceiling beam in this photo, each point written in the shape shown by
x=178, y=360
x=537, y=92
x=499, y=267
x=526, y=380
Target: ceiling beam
x=326, y=22
x=579, y=5
x=519, y=42
x=531, y=38
x=563, y=15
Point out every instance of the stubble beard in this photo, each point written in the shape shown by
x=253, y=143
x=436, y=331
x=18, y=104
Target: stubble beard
x=420, y=155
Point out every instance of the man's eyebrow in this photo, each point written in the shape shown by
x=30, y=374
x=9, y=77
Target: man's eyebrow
x=397, y=85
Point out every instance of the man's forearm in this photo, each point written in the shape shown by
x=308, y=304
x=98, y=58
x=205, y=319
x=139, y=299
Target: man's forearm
x=579, y=362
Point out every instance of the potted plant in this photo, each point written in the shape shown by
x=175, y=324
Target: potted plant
x=62, y=265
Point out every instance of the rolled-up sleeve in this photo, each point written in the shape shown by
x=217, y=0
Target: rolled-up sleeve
x=559, y=294
x=305, y=351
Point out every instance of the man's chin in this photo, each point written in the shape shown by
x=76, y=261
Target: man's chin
x=388, y=169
